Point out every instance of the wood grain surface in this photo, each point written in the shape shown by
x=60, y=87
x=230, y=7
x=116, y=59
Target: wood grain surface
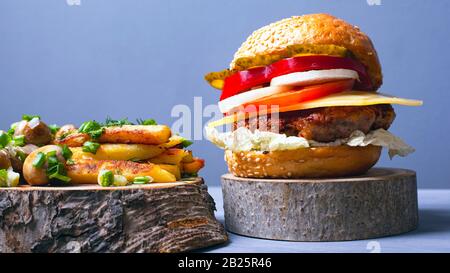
x=382, y=202
x=163, y=217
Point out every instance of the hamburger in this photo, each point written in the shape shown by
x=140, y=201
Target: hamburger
x=300, y=100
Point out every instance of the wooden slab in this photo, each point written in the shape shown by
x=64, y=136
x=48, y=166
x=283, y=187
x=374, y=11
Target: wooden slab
x=159, y=217
x=380, y=203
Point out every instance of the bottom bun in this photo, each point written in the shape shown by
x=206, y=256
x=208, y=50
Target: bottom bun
x=303, y=163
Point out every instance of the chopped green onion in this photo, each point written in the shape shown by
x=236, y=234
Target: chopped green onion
x=186, y=143
x=90, y=147
x=21, y=155
x=19, y=140
x=51, y=153
x=93, y=128
x=5, y=138
x=3, y=178
x=120, y=122
x=54, y=168
x=52, y=161
x=30, y=117
x=60, y=177
x=142, y=179
x=64, y=135
x=57, y=171
x=54, y=128
x=39, y=160
x=11, y=132
x=105, y=178
x=70, y=161
x=66, y=152
x=149, y=121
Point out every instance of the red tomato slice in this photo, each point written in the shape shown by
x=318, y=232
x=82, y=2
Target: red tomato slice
x=245, y=80
x=304, y=94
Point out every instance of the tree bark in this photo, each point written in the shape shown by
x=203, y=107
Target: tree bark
x=169, y=217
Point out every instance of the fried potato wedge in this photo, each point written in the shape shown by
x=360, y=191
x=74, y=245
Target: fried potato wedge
x=188, y=158
x=133, y=152
x=137, y=134
x=173, y=141
x=72, y=140
x=171, y=156
x=86, y=171
x=133, y=134
x=65, y=130
x=194, y=166
x=173, y=169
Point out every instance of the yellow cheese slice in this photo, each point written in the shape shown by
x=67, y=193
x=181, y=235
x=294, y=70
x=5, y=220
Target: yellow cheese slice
x=348, y=98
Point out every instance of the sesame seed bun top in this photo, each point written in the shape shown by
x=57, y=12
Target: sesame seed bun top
x=315, y=29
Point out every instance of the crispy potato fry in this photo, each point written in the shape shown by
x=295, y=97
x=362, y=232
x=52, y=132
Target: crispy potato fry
x=72, y=140
x=173, y=141
x=86, y=171
x=119, y=152
x=171, y=156
x=194, y=166
x=135, y=134
x=173, y=169
x=65, y=130
x=188, y=158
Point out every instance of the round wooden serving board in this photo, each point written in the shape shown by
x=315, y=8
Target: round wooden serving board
x=159, y=217
x=379, y=203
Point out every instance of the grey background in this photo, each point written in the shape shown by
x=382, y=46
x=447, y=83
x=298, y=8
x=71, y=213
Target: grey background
x=139, y=58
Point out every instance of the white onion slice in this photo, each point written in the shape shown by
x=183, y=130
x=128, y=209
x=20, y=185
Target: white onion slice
x=33, y=122
x=313, y=77
x=237, y=100
x=18, y=127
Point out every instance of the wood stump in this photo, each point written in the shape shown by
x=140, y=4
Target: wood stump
x=164, y=217
x=380, y=203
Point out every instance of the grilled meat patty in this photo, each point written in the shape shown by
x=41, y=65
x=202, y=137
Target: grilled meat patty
x=326, y=124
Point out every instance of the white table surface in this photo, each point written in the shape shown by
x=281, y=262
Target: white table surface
x=432, y=235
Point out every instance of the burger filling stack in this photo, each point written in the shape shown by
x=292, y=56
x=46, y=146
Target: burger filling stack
x=300, y=100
